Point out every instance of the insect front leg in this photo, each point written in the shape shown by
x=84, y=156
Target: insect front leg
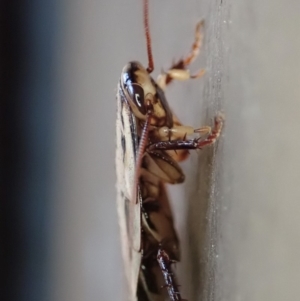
x=196, y=143
x=178, y=70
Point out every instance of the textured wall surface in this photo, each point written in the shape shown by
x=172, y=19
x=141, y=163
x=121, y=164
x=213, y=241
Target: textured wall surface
x=237, y=213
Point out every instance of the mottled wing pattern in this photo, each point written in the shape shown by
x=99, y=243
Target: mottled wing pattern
x=129, y=210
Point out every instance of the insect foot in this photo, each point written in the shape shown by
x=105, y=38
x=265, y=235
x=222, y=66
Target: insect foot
x=214, y=135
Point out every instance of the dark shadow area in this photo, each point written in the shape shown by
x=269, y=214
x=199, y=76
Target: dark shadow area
x=26, y=108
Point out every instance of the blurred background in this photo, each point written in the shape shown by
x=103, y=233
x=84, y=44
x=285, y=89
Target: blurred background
x=237, y=214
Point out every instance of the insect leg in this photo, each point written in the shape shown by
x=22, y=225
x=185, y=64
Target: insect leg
x=170, y=282
x=197, y=143
x=196, y=45
x=180, y=132
x=150, y=280
x=178, y=70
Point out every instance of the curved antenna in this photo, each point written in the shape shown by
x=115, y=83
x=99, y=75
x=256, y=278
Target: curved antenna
x=148, y=38
x=142, y=147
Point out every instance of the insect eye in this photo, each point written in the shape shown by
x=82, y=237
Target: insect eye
x=136, y=92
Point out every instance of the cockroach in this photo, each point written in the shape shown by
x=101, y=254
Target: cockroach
x=150, y=143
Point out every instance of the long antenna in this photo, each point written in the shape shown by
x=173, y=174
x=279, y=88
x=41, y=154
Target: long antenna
x=148, y=38
x=142, y=147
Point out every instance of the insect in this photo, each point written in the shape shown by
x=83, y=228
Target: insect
x=150, y=143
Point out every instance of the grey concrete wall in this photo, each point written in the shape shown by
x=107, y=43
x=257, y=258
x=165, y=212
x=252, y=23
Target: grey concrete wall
x=237, y=213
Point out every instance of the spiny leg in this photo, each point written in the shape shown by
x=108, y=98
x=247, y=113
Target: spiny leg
x=178, y=70
x=165, y=262
x=197, y=143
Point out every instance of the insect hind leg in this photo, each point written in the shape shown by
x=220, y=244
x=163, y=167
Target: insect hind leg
x=179, y=69
x=170, y=282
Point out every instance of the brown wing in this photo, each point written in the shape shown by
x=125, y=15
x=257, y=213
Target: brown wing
x=129, y=212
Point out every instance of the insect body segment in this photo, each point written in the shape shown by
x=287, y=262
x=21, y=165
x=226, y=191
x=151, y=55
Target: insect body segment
x=158, y=230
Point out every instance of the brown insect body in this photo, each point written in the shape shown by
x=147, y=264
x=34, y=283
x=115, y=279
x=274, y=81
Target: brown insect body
x=157, y=167
x=147, y=135
x=139, y=92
